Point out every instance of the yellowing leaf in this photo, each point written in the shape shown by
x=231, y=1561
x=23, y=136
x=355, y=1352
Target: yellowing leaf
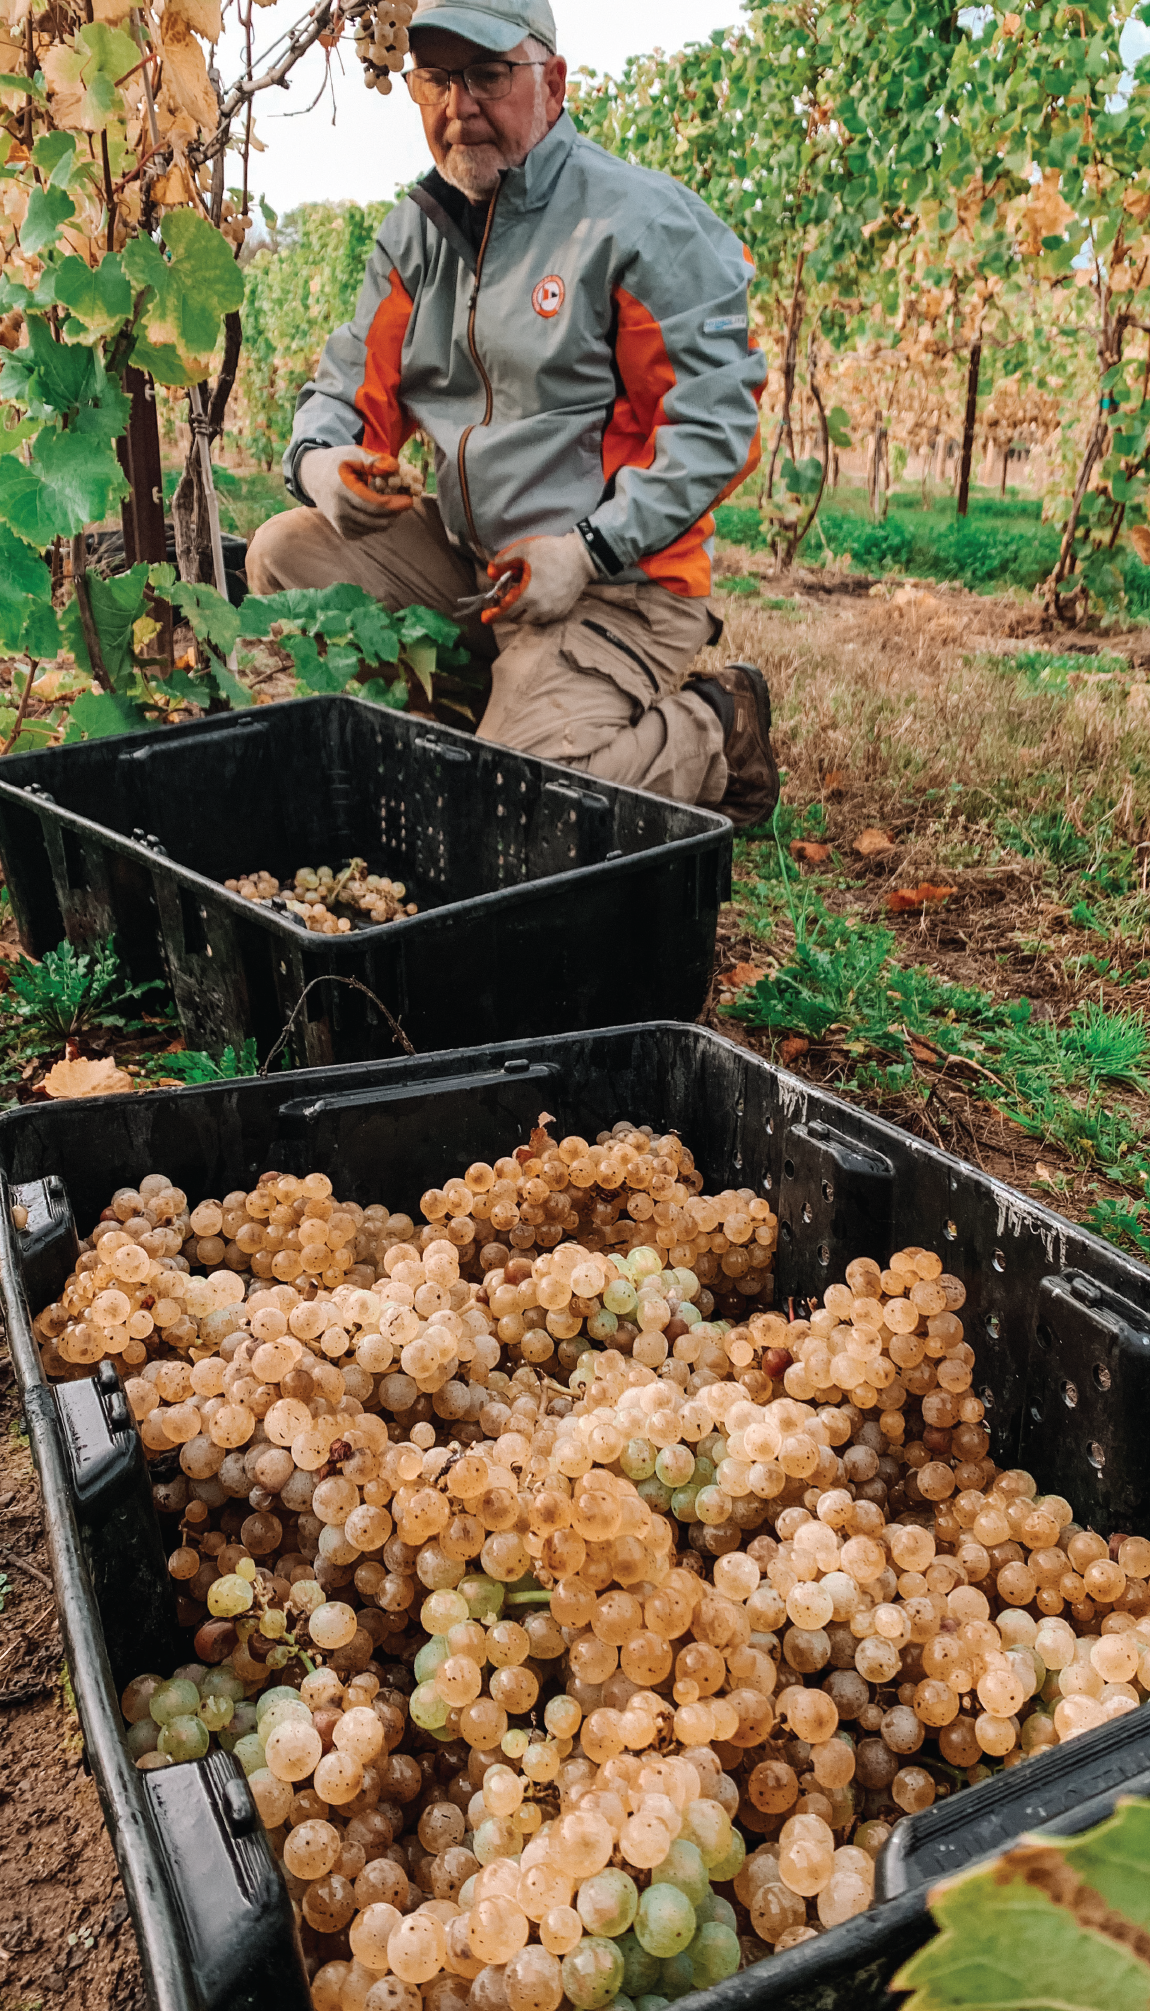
x=87, y=1078
x=202, y=15
x=186, y=72
x=1005, y=1944
x=81, y=76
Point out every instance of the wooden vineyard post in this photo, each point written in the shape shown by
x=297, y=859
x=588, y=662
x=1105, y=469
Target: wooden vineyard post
x=142, y=511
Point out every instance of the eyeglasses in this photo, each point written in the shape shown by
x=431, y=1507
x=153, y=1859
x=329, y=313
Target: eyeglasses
x=479, y=80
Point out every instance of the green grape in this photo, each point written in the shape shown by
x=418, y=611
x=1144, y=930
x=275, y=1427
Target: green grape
x=620, y=1297
x=282, y=1694
x=222, y=1682
x=592, y=1973
x=280, y=1656
x=216, y=1713
x=655, y=1494
x=428, y=1709
x=249, y=1751
x=637, y=1459
x=291, y=1706
x=441, y=1611
x=712, y=1505
x=143, y=1737
x=607, y=1902
x=665, y=1922
x=708, y=1825
x=602, y=1326
x=676, y=1977
x=243, y=1722
x=640, y=1970
x=715, y=1907
x=713, y=1954
x=651, y=2002
x=229, y=1596
x=731, y=1863
x=683, y=1867
x=704, y=1472
x=645, y=1262
x=430, y=1656
x=622, y=2003
x=184, y=1739
x=174, y=1700
x=190, y=1672
x=683, y=1504
x=675, y=1465
x=690, y=1315
x=484, y=1596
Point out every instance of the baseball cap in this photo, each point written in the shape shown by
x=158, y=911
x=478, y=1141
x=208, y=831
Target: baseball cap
x=494, y=24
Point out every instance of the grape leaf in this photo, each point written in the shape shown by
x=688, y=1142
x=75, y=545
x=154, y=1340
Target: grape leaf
x=1112, y=1860
x=378, y=692
x=213, y=619
x=419, y=623
x=49, y=376
x=47, y=210
x=26, y=617
x=839, y=427
x=95, y=714
x=54, y=155
x=310, y=667
x=1006, y=1945
x=107, y=414
x=192, y=289
x=27, y=87
x=421, y=658
x=221, y=684
x=81, y=75
x=163, y=362
x=116, y=604
x=73, y=479
x=99, y=299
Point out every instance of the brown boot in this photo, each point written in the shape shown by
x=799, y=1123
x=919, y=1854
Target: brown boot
x=738, y=695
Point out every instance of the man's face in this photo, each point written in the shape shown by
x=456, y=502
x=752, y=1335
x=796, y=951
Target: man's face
x=474, y=141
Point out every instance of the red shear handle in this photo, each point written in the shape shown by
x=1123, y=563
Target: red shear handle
x=517, y=574
x=358, y=476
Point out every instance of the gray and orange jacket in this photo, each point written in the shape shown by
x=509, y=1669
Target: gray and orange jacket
x=586, y=363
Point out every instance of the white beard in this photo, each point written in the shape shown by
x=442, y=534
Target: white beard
x=476, y=170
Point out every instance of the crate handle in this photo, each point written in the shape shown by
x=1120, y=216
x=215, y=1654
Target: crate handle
x=105, y=1453
x=302, y=1111
x=443, y=749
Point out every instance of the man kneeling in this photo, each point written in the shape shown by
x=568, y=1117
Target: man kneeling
x=572, y=333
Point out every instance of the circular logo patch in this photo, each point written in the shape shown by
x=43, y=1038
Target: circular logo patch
x=549, y=296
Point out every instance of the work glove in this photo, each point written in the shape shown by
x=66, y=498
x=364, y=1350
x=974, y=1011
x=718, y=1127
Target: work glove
x=546, y=576
x=338, y=480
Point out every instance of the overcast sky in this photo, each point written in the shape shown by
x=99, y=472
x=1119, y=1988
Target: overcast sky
x=377, y=143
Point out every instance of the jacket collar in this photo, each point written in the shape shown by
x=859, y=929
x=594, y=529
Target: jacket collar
x=521, y=189
x=530, y=186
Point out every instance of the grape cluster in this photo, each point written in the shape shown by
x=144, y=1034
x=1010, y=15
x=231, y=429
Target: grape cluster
x=610, y=1571
x=316, y=890
x=381, y=41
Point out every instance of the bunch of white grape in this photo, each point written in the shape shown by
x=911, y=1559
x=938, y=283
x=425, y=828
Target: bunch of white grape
x=381, y=41
x=315, y=891
x=533, y=1579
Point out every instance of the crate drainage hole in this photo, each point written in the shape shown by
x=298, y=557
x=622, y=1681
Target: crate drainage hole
x=1036, y=1412
x=1101, y=1376
x=993, y=1325
x=808, y=1212
x=951, y=1231
x=1097, y=1455
x=998, y=1261
x=1044, y=1337
x=824, y=1254
x=789, y=1168
x=1069, y=1395
x=828, y=1191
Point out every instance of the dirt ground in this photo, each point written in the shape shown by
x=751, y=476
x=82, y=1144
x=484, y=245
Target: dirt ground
x=65, y=1934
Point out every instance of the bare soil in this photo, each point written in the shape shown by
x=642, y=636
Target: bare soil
x=66, y=1937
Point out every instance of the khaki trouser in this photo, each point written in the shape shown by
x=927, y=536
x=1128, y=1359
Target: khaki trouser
x=599, y=691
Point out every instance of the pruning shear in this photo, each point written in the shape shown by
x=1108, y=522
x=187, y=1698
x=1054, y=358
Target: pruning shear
x=510, y=582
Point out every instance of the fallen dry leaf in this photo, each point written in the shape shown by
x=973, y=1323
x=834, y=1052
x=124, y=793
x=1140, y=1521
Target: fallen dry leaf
x=872, y=840
x=921, y=1051
x=793, y=1048
x=905, y=899
x=807, y=853
x=87, y=1078
x=740, y=975
x=835, y=782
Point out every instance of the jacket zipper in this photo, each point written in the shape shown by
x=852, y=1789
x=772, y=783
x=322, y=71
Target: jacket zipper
x=475, y=358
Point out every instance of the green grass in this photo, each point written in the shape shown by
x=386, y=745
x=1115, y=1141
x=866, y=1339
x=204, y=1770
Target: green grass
x=1044, y=670
x=245, y=500
x=1001, y=543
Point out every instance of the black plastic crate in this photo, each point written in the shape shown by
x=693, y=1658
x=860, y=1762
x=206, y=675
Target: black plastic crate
x=547, y=899
x=1061, y=1322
